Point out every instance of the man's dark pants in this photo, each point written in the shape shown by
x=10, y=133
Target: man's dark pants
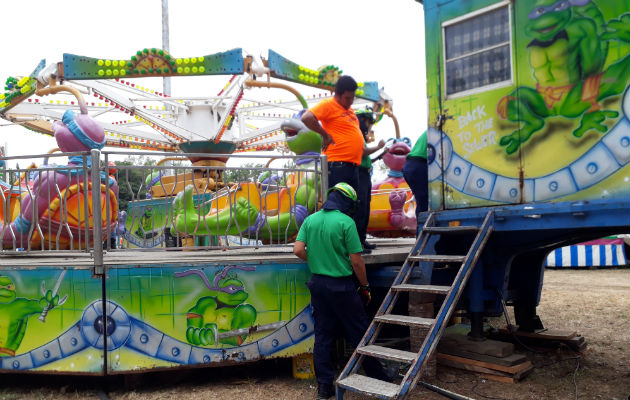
x=341, y=171
x=365, y=197
x=335, y=303
x=416, y=174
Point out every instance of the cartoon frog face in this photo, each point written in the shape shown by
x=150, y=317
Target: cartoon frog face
x=232, y=292
x=547, y=18
x=299, y=138
x=7, y=289
x=396, y=156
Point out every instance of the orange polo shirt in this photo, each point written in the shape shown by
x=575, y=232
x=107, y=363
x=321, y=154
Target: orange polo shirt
x=343, y=126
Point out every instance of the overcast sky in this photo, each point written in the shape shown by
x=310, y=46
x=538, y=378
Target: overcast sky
x=372, y=40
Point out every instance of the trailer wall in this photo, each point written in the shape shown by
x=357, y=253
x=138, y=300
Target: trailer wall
x=528, y=101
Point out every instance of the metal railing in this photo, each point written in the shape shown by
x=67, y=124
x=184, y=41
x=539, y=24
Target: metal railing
x=70, y=206
x=44, y=208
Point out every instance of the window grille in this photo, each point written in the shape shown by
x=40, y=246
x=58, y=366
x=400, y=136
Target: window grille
x=477, y=51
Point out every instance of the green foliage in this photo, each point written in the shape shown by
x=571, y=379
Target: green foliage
x=245, y=172
x=131, y=181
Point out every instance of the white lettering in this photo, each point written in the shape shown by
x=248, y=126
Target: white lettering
x=477, y=144
x=484, y=125
x=478, y=113
x=464, y=136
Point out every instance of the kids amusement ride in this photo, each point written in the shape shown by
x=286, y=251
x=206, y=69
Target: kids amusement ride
x=213, y=128
x=140, y=306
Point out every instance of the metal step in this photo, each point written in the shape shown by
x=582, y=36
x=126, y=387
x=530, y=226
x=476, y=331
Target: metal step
x=387, y=353
x=452, y=229
x=437, y=258
x=404, y=320
x=384, y=390
x=407, y=287
x=369, y=386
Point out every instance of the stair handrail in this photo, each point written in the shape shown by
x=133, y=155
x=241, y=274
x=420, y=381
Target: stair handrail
x=451, y=298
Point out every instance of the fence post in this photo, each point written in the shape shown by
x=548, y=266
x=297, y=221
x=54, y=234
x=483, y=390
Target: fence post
x=97, y=217
x=324, y=179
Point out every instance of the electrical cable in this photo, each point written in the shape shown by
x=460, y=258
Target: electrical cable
x=510, y=326
x=577, y=366
x=444, y=392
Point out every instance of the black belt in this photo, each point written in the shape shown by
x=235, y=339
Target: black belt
x=341, y=164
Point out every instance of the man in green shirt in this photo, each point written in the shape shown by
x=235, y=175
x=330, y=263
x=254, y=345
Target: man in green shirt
x=417, y=176
x=329, y=243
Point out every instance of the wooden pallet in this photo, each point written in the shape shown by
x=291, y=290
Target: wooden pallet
x=489, y=370
x=543, y=338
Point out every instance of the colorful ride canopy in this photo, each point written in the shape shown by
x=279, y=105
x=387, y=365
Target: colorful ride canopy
x=135, y=116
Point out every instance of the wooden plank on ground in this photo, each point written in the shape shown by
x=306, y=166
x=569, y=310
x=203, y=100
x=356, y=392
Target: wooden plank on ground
x=510, y=370
x=576, y=343
x=473, y=368
x=487, y=372
x=549, y=334
x=507, y=361
x=508, y=379
x=488, y=347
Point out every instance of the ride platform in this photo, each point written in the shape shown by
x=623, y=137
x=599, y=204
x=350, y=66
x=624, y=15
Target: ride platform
x=162, y=308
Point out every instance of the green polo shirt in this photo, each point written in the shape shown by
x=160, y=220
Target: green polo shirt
x=366, y=161
x=420, y=148
x=330, y=237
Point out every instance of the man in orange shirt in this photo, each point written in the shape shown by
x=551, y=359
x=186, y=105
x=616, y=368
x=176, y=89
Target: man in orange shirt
x=336, y=121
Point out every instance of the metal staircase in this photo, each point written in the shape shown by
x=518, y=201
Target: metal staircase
x=350, y=379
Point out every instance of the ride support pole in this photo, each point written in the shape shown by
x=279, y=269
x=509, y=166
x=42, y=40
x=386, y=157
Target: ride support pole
x=324, y=178
x=97, y=216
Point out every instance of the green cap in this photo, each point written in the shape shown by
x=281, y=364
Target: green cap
x=366, y=113
x=346, y=190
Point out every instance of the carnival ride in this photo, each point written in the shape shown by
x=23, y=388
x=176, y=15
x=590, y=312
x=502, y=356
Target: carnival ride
x=392, y=211
x=209, y=129
x=53, y=207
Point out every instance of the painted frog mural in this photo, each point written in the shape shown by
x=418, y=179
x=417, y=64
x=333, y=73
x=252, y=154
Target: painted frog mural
x=212, y=320
x=567, y=55
x=14, y=313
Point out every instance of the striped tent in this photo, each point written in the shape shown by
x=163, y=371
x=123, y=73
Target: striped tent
x=598, y=253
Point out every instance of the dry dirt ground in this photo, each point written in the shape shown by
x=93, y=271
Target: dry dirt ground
x=596, y=304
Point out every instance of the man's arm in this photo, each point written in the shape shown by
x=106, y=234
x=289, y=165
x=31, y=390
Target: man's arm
x=369, y=150
x=311, y=122
x=358, y=266
x=299, y=249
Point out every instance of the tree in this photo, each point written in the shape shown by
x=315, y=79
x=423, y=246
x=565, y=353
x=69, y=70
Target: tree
x=132, y=181
x=245, y=172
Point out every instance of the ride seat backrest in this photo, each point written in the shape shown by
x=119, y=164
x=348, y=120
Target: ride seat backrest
x=66, y=215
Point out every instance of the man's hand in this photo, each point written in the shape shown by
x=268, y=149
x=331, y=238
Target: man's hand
x=365, y=294
x=311, y=122
x=381, y=144
x=327, y=141
x=299, y=249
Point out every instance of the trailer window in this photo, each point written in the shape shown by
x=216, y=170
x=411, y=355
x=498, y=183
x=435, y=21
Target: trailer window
x=477, y=51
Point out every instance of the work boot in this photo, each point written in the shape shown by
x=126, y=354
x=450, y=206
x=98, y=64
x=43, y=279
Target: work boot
x=325, y=391
x=366, y=251
x=369, y=246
